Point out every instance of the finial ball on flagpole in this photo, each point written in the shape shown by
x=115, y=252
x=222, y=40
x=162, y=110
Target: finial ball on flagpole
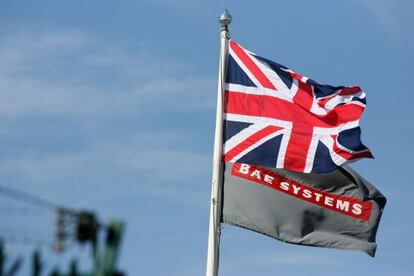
x=225, y=19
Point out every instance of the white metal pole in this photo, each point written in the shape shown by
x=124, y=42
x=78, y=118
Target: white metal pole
x=217, y=178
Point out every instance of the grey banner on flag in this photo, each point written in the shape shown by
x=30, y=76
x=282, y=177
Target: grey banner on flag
x=338, y=209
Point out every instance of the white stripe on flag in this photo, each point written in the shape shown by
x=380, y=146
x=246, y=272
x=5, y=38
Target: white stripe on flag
x=242, y=135
x=258, y=120
x=257, y=144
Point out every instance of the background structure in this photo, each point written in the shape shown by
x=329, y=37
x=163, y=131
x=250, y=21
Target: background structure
x=109, y=105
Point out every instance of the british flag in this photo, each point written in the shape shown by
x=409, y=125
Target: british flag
x=277, y=118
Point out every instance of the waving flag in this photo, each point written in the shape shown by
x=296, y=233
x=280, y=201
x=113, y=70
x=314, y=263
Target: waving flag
x=277, y=118
x=339, y=209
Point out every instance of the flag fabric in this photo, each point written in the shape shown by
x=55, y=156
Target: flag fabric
x=339, y=209
x=280, y=119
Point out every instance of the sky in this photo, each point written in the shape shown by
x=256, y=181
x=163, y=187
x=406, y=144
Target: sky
x=110, y=106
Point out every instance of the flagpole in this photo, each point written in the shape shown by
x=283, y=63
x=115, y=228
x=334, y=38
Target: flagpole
x=217, y=178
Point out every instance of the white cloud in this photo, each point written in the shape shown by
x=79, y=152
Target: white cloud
x=69, y=73
x=71, y=76
x=142, y=165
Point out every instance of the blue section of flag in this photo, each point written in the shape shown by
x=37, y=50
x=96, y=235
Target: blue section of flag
x=232, y=128
x=363, y=101
x=323, y=161
x=236, y=75
x=351, y=139
x=284, y=76
x=323, y=90
x=265, y=155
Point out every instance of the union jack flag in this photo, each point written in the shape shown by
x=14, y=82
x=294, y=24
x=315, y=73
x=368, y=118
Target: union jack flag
x=277, y=118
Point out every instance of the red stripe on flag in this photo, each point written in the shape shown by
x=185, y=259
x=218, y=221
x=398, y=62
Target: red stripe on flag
x=296, y=76
x=298, y=148
x=276, y=108
x=350, y=90
x=323, y=102
x=304, y=96
x=251, y=66
x=345, y=113
x=251, y=140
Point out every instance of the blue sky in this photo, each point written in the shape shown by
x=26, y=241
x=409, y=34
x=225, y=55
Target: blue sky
x=110, y=105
